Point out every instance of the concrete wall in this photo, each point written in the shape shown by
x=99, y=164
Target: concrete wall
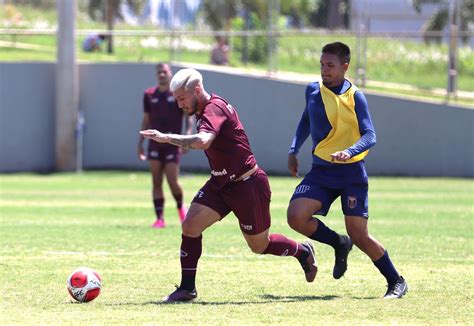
x=26, y=117
x=414, y=138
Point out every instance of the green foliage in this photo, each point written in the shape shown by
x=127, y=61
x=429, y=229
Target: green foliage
x=218, y=13
x=322, y=17
x=439, y=20
x=52, y=224
x=97, y=9
x=44, y=4
x=254, y=47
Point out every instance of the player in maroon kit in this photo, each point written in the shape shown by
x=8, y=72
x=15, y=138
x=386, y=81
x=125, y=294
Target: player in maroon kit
x=236, y=185
x=162, y=112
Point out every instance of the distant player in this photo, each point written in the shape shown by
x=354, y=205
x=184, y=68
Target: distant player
x=162, y=112
x=337, y=117
x=236, y=185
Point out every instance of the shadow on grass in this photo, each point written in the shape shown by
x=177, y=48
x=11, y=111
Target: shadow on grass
x=365, y=298
x=266, y=298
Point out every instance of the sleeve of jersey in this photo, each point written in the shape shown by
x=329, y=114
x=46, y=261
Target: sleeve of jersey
x=146, y=104
x=303, y=128
x=212, y=120
x=366, y=128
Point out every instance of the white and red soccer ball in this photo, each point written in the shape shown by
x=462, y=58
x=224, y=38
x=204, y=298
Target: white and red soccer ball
x=84, y=284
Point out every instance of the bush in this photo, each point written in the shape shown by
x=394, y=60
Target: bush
x=257, y=46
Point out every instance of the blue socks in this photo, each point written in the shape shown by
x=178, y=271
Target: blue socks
x=326, y=235
x=385, y=266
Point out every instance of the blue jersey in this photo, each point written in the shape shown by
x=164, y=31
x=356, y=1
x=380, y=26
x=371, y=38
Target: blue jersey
x=338, y=119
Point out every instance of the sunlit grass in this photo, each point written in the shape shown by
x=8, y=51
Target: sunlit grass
x=51, y=224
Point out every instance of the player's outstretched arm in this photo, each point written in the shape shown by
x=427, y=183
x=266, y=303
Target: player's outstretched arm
x=201, y=140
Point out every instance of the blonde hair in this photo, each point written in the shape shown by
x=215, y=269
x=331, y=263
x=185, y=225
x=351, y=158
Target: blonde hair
x=186, y=78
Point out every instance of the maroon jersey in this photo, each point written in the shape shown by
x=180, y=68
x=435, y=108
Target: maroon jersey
x=164, y=113
x=229, y=154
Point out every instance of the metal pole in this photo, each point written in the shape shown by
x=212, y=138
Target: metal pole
x=173, y=40
x=453, y=37
x=110, y=26
x=245, y=38
x=276, y=38
x=273, y=14
x=67, y=87
x=361, y=45
x=364, y=49
x=270, y=37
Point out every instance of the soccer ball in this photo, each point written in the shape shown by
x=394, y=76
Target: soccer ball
x=84, y=284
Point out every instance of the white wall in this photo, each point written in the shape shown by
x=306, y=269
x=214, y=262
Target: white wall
x=414, y=138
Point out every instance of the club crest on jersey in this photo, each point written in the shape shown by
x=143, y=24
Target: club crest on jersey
x=351, y=202
x=170, y=99
x=154, y=100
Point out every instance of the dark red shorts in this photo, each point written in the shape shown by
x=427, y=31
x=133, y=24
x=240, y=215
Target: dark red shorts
x=249, y=200
x=164, y=154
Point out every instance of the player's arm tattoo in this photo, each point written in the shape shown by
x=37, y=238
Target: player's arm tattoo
x=202, y=140
x=184, y=141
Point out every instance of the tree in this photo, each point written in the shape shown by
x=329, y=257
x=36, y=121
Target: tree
x=97, y=9
x=439, y=20
x=218, y=13
x=331, y=14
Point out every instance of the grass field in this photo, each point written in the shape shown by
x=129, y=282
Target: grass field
x=51, y=224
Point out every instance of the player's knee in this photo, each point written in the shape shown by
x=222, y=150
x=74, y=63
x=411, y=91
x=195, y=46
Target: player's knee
x=360, y=239
x=190, y=229
x=295, y=220
x=257, y=248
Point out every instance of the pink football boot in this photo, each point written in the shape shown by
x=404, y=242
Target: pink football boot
x=182, y=213
x=159, y=224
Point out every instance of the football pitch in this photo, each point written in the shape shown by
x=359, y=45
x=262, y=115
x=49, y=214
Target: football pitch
x=52, y=224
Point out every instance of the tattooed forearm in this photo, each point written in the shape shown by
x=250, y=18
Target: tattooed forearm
x=184, y=141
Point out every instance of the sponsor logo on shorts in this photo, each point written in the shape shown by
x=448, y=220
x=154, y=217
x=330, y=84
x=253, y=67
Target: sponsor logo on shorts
x=246, y=227
x=154, y=154
x=285, y=253
x=154, y=100
x=169, y=156
x=218, y=173
x=302, y=189
x=351, y=202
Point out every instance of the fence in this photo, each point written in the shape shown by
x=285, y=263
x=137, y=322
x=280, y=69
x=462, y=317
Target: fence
x=397, y=61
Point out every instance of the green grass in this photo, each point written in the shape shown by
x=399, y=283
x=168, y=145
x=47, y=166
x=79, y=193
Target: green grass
x=51, y=224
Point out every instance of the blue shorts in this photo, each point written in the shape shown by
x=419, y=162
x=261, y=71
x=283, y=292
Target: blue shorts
x=164, y=154
x=326, y=183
